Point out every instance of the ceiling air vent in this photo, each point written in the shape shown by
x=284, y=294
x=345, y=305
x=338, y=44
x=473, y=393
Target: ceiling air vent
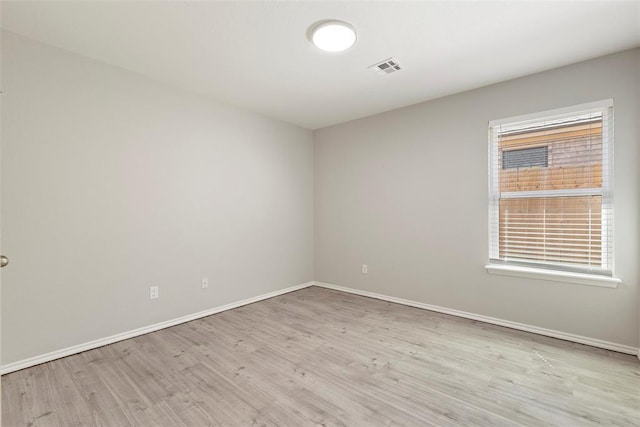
x=387, y=66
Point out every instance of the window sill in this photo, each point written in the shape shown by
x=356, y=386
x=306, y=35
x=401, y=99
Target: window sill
x=556, y=276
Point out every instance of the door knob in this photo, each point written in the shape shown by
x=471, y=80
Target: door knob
x=3, y=261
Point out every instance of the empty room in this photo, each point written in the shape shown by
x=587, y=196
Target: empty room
x=320, y=213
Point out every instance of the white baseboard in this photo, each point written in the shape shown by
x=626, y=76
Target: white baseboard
x=32, y=361
x=621, y=348
x=36, y=360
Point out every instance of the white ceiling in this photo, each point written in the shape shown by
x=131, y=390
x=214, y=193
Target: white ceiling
x=255, y=55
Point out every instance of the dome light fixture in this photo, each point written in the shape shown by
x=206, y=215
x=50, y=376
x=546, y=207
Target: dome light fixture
x=333, y=36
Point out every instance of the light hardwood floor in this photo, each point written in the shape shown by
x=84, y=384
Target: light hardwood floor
x=322, y=357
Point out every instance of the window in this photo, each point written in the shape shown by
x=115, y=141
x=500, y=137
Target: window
x=551, y=205
x=525, y=157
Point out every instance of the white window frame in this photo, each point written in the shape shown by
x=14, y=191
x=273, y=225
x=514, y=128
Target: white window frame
x=603, y=277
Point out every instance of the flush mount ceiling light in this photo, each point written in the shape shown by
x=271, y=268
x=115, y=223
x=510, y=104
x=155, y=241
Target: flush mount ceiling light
x=333, y=36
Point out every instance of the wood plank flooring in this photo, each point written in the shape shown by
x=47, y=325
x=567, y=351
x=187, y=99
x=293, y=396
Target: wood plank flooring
x=318, y=357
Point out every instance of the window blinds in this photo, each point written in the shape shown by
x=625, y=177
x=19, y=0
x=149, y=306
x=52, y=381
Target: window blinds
x=550, y=185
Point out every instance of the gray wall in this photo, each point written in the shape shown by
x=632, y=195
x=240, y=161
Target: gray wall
x=112, y=183
x=406, y=193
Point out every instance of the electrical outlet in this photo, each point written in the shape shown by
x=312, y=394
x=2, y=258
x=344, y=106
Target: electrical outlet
x=364, y=269
x=205, y=282
x=154, y=292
